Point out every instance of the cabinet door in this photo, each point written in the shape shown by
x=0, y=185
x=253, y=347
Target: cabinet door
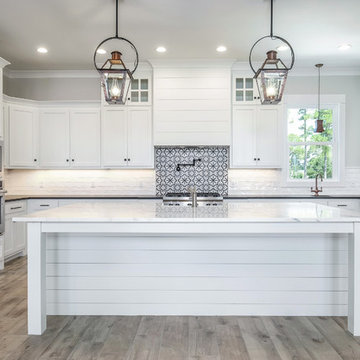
x=140, y=146
x=267, y=136
x=245, y=90
x=23, y=129
x=85, y=138
x=139, y=92
x=114, y=137
x=19, y=235
x=243, y=137
x=9, y=241
x=54, y=138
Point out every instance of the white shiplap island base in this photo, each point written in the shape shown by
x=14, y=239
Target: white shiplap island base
x=142, y=258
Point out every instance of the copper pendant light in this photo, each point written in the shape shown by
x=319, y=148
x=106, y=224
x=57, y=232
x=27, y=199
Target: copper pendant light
x=319, y=121
x=115, y=76
x=271, y=76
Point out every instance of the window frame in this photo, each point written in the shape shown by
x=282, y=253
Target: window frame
x=337, y=104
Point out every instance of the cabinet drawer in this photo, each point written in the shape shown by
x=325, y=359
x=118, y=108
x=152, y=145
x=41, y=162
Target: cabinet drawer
x=350, y=204
x=42, y=204
x=13, y=207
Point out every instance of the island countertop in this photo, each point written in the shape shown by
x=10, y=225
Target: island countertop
x=155, y=211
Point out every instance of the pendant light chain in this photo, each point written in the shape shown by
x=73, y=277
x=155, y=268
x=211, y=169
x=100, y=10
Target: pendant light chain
x=271, y=19
x=117, y=19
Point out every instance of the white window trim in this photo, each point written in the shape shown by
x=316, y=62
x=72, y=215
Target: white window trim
x=336, y=102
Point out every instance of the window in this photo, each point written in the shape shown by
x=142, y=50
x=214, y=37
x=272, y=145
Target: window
x=310, y=153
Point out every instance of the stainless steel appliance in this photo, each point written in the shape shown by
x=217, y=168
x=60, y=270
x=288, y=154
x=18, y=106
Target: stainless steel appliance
x=185, y=199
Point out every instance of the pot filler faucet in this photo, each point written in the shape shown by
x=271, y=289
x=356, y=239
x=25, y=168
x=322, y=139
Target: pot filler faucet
x=316, y=191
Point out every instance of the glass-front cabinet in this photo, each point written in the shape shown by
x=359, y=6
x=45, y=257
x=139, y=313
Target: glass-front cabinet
x=140, y=91
x=245, y=90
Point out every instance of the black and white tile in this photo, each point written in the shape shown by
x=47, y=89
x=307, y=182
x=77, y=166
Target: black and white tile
x=208, y=175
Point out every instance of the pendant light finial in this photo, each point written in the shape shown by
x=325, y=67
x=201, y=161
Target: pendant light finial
x=319, y=121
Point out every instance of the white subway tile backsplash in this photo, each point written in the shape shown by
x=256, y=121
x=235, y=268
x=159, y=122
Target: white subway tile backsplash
x=142, y=182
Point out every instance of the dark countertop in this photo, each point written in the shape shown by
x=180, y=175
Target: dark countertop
x=153, y=197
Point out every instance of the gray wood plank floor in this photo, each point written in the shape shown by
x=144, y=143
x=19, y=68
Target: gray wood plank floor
x=165, y=337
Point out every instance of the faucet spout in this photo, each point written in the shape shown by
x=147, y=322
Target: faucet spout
x=317, y=190
x=193, y=195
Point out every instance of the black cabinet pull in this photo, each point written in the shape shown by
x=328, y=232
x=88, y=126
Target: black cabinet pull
x=341, y=205
x=44, y=205
x=16, y=207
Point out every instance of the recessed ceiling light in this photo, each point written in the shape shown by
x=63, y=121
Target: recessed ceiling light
x=221, y=48
x=282, y=48
x=101, y=51
x=344, y=46
x=161, y=49
x=42, y=50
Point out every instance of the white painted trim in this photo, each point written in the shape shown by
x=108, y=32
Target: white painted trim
x=192, y=63
x=64, y=74
x=3, y=62
x=303, y=70
x=55, y=103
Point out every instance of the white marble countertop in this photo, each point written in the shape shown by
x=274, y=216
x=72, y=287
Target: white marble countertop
x=155, y=211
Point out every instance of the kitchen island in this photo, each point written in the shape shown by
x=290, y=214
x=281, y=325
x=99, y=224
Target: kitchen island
x=143, y=258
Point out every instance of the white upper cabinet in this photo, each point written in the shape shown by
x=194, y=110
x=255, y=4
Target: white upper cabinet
x=127, y=137
x=54, y=138
x=114, y=137
x=140, y=91
x=85, y=138
x=268, y=137
x=140, y=149
x=22, y=128
x=244, y=89
x=256, y=138
x=243, y=148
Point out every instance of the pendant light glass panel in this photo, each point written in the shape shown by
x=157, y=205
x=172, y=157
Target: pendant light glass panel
x=116, y=85
x=271, y=84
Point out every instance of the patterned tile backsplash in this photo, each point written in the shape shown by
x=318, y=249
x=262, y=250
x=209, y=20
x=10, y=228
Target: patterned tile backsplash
x=209, y=174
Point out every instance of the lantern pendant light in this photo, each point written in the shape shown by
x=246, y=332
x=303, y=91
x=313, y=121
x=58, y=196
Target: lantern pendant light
x=319, y=121
x=115, y=76
x=271, y=76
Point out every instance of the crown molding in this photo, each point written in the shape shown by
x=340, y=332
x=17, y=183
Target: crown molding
x=64, y=74
x=191, y=63
x=243, y=66
x=51, y=103
x=3, y=62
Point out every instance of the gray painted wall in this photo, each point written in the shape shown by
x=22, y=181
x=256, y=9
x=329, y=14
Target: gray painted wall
x=89, y=89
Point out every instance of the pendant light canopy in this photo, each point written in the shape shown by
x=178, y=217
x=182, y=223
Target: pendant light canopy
x=319, y=120
x=271, y=76
x=115, y=76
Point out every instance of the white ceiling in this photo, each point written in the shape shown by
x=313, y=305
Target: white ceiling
x=71, y=29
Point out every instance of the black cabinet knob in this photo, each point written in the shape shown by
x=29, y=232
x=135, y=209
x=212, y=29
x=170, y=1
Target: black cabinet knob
x=254, y=159
x=128, y=159
x=72, y=160
x=67, y=160
x=35, y=159
x=258, y=159
x=125, y=159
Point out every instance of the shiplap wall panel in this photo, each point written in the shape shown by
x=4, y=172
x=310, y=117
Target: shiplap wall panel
x=192, y=93
x=228, y=275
